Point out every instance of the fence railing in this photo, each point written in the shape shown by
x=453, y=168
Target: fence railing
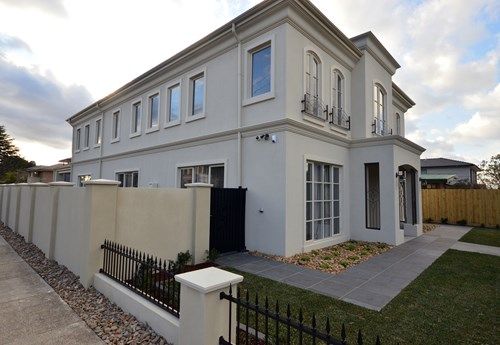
x=339, y=117
x=264, y=324
x=314, y=106
x=142, y=273
x=380, y=127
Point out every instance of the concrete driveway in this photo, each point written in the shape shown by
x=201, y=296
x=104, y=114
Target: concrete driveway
x=31, y=312
x=371, y=284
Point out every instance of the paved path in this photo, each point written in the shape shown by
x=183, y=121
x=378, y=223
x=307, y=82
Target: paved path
x=31, y=312
x=476, y=248
x=371, y=284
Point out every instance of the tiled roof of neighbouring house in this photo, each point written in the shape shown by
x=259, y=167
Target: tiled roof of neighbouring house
x=443, y=162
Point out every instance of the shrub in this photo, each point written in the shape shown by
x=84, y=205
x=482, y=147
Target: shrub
x=462, y=222
x=444, y=220
x=350, y=246
x=428, y=220
x=364, y=252
x=325, y=266
x=326, y=257
x=183, y=258
x=212, y=254
x=304, y=258
x=344, y=263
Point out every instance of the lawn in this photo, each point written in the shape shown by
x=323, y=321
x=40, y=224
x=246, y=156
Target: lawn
x=454, y=301
x=489, y=237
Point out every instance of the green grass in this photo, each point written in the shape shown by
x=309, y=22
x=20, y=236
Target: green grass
x=455, y=301
x=489, y=237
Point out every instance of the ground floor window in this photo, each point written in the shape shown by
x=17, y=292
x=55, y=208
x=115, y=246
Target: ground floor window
x=128, y=179
x=64, y=176
x=82, y=179
x=322, y=201
x=372, y=195
x=213, y=174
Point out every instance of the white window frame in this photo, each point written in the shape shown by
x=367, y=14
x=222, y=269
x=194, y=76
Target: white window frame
x=398, y=123
x=252, y=47
x=78, y=139
x=98, y=134
x=86, y=136
x=210, y=163
x=149, y=126
x=138, y=132
x=117, y=138
x=334, y=90
x=189, y=107
x=167, y=121
x=128, y=171
x=335, y=238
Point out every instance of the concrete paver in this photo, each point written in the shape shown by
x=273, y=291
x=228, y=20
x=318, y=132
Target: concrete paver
x=31, y=312
x=476, y=248
x=371, y=284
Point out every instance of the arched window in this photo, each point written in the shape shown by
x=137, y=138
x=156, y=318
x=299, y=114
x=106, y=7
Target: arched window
x=398, y=124
x=379, y=102
x=338, y=92
x=313, y=82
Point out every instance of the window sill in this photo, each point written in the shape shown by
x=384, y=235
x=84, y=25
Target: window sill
x=115, y=140
x=152, y=130
x=314, y=119
x=259, y=98
x=172, y=123
x=191, y=118
x=314, y=244
x=134, y=135
x=77, y=151
x=96, y=146
x=85, y=148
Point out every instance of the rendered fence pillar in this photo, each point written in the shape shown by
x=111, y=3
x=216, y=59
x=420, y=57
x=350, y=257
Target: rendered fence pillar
x=55, y=188
x=101, y=196
x=2, y=187
x=6, y=211
x=204, y=317
x=201, y=220
x=14, y=207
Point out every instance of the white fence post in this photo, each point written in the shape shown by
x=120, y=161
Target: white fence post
x=201, y=220
x=54, y=188
x=204, y=317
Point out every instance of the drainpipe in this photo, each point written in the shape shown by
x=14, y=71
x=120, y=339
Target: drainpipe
x=102, y=142
x=239, y=106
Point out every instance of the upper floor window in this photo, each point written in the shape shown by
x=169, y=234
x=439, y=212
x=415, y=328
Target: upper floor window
x=338, y=91
x=174, y=103
x=98, y=136
x=398, y=124
x=86, y=137
x=78, y=139
x=261, y=70
x=115, y=131
x=135, y=126
x=379, y=102
x=197, y=94
x=154, y=110
x=312, y=75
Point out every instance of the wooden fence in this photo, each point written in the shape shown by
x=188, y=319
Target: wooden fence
x=475, y=206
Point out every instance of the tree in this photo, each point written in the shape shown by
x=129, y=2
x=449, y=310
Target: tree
x=490, y=174
x=11, y=164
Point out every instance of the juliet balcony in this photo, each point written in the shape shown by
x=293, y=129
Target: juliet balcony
x=315, y=107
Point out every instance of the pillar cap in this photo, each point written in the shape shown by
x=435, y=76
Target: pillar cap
x=208, y=279
x=199, y=184
x=62, y=183
x=38, y=184
x=22, y=184
x=101, y=182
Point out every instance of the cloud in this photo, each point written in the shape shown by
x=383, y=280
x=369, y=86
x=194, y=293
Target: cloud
x=34, y=104
x=55, y=7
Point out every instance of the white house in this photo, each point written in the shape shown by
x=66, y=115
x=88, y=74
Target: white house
x=281, y=102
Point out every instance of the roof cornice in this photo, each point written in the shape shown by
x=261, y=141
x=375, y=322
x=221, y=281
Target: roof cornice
x=402, y=96
x=369, y=42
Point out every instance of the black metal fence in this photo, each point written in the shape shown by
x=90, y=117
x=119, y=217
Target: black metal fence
x=150, y=277
x=264, y=324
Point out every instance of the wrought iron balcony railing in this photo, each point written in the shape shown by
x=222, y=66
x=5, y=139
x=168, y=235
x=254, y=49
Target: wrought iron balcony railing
x=314, y=106
x=339, y=117
x=380, y=127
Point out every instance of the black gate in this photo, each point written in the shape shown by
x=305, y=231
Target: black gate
x=227, y=219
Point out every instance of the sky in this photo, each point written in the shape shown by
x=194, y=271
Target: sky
x=58, y=56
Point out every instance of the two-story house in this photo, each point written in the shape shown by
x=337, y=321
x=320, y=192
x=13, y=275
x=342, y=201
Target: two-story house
x=281, y=102
x=436, y=172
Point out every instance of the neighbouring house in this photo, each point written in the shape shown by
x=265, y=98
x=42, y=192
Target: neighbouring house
x=443, y=172
x=278, y=101
x=50, y=173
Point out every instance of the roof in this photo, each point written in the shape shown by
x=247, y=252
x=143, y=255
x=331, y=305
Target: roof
x=445, y=162
x=437, y=177
x=370, y=35
x=48, y=167
x=225, y=29
x=402, y=95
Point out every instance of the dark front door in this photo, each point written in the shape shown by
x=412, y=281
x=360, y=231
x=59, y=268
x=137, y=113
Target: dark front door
x=227, y=219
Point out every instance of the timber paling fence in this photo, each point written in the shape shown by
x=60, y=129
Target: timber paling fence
x=474, y=206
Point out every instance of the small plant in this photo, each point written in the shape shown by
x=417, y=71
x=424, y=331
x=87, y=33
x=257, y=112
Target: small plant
x=326, y=257
x=444, y=220
x=350, y=246
x=344, y=263
x=354, y=258
x=325, y=266
x=364, y=252
x=212, y=254
x=428, y=220
x=183, y=258
x=462, y=222
x=304, y=258
x=335, y=253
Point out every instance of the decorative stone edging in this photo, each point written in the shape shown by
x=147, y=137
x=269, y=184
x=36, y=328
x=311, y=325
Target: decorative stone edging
x=107, y=320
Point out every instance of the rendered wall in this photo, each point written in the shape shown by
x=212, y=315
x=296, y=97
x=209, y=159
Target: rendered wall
x=25, y=209
x=13, y=209
x=42, y=219
x=5, y=202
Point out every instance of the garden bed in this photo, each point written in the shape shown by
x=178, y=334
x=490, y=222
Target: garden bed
x=334, y=259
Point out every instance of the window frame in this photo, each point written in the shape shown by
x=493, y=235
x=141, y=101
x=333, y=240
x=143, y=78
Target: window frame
x=194, y=75
x=167, y=122
x=192, y=165
x=251, y=48
x=138, y=131
x=78, y=139
x=149, y=125
x=366, y=166
x=334, y=89
x=86, y=136
x=116, y=138
x=127, y=171
x=378, y=86
x=98, y=133
x=398, y=123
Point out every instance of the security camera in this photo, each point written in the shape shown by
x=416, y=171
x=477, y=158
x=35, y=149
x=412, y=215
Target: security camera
x=274, y=138
x=266, y=136
x=257, y=138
